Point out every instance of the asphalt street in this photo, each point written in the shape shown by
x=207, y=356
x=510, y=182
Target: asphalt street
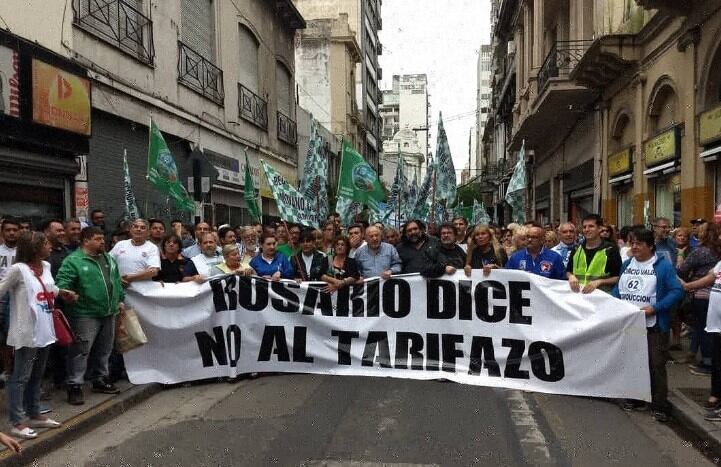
x=311, y=420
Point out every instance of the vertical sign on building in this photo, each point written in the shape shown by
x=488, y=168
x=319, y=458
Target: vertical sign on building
x=9, y=82
x=82, y=200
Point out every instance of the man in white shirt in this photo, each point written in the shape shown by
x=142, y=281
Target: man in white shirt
x=199, y=266
x=138, y=259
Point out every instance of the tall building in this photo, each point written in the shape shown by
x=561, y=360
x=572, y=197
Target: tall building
x=326, y=59
x=364, y=17
x=406, y=106
x=616, y=103
x=217, y=77
x=483, y=107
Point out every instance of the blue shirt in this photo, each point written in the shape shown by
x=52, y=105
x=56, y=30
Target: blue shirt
x=548, y=263
x=373, y=263
x=564, y=251
x=280, y=263
x=667, y=248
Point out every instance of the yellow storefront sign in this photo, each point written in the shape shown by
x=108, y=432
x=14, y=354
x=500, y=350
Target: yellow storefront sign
x=710, y=126
x=661, y=148
x=60, y=99
x=619, y=163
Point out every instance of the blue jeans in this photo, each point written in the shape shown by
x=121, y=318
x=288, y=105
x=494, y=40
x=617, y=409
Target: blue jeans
x=24, y=384
x=89, y=354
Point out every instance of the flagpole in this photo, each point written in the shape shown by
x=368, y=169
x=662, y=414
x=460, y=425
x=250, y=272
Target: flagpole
x=400, y=163
x=433, y=199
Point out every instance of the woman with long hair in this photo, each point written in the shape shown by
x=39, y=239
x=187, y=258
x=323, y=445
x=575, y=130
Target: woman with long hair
x=484, y=251
x=697, y=265
x=32, y=295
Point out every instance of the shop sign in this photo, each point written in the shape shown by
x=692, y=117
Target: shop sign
x=232, y=171
x=662, y=148
x=60, y=99
x=82, y=201
x=9, y=82
x=710, y=126
x=619, y=163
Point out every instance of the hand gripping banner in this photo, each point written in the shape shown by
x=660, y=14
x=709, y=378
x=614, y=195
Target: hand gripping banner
x=509, y=329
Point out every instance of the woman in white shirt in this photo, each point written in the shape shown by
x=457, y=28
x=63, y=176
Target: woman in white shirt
x=32, y=292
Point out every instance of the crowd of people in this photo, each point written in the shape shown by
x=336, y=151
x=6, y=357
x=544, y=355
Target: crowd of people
x=673, y=276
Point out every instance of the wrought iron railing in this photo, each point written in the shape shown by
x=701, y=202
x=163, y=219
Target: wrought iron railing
x=252, y=108
x=287, y=130
x=561, y=60
x=119, y=24
x=199, y=74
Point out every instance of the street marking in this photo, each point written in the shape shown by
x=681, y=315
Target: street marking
x=533, y=443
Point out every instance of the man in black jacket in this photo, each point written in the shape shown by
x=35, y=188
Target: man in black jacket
x=447, y=258
x=414, y=245
x=309, y=264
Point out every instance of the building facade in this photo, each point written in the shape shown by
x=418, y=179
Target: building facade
x=483, y=107
x=403, y=145
x=222, y=87
x=364, y=17
x=326, y=60
x=616, y=103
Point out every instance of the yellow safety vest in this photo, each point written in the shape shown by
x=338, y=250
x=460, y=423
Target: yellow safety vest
x=586, y=273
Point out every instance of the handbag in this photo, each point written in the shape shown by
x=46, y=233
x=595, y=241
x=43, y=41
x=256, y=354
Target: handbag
x=63, y=332
x=128, y=332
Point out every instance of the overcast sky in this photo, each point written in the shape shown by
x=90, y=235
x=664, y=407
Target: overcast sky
x=440, y=38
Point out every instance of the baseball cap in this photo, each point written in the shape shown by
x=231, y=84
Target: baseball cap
x=698, y=221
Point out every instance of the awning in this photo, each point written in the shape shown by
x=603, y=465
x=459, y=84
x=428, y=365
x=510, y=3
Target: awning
x=666, y=168
x=710, y=155
x=582, y=193
x=621, y=179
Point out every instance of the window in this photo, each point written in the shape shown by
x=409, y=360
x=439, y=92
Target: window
x=198, y=27
x=248, y=49
x=283, y=88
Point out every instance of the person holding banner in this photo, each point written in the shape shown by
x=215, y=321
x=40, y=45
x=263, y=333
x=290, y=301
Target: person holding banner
x=484, y=251
x=270, y=264
x=649, y=281
x=595, y=264
x=448, y=257
x=461, y=225
x=292, y=247
x=416, y=247
x=172, y=262
x=310, y=264
x=342, y=270
x=377, y=258
x=233, y=263
x=536, y=258
x=198, y=268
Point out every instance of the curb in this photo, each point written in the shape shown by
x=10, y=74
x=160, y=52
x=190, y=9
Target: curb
x=76, y=426
x=687, y=413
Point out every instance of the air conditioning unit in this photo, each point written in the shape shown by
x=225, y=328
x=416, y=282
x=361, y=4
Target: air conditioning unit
x=511, y=47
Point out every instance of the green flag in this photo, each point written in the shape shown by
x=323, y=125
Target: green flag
x=314, y=184
x=358, y=181
x=163, y=173
x=292, y=205
x=446, y=173
x=251, y=201
x=131, y=207
x=515, y=195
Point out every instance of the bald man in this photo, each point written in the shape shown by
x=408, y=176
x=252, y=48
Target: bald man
x=377, y=258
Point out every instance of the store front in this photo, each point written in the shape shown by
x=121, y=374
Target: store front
x=620, y=177
x=44, y=127
x=579, y=192
x=663, y=168
x=710, y=139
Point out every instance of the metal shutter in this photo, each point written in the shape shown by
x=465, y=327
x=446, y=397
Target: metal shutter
x=197, y=26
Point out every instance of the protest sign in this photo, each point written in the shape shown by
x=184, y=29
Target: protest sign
x=510, y=329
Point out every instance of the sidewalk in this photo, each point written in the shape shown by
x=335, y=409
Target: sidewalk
x=687, y=395
x=76, y=419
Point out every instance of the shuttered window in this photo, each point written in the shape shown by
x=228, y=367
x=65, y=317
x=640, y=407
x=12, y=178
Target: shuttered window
x=283, y=88
x=248, y=46
x=198, y=27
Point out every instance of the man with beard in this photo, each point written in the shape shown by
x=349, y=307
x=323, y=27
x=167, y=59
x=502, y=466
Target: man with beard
x=447, y=258
x=54, y=231
x=72, y=234
x=414, y=248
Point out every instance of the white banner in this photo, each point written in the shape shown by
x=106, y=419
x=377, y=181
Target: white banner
x=510, y=329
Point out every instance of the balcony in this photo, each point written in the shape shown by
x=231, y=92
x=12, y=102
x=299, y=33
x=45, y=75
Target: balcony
x=559, y=103
x=117, y=23
x=607, y=59
x=287, y=130
x=560, y=61
x=199, y=74
x=252, y=108
x=670, y=6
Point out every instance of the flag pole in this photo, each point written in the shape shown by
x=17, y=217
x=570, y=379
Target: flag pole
x=433, y=199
